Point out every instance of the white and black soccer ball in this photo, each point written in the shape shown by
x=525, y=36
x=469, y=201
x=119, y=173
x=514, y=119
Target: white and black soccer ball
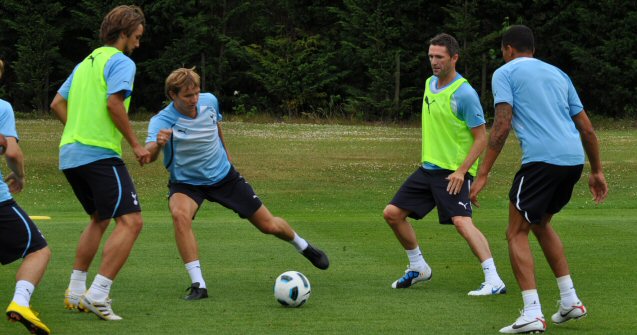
x=292, y=289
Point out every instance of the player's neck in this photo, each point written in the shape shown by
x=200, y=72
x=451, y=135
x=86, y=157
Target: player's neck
x=189, y=113
x=446, y=80
x=119, y=45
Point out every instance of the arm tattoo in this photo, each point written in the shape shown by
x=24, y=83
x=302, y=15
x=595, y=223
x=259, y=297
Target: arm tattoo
x=501, y=126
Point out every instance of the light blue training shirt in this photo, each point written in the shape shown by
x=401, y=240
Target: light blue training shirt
x=7, y=128
x=119, y=74
x=195, y=154
x=544, y=102
x=465, y=105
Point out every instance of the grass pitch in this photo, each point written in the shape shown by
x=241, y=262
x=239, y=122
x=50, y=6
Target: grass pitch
x=331, y=183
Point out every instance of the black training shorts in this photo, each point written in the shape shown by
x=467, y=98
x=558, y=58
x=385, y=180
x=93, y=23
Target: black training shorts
x=19, y=236
x=541, y=188
x=105, y=187
x=232, y=192
x=426, y=189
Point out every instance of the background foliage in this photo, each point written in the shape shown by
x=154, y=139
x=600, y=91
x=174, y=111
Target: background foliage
x=359, y=59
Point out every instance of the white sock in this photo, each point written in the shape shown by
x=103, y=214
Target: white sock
x=532, y=307
x=416, y=261
x=299, y=243
x=78, y=281
x=567, y=291
x=23, y=292
x=100, y=288
x=194, y=270
x=490, y=272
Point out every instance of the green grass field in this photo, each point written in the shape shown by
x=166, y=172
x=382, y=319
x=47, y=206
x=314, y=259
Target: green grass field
x=331, y=183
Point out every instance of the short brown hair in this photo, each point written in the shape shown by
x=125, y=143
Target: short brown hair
x=1, y=68
x=181, y=78
x=122, y=18
x=447, y=41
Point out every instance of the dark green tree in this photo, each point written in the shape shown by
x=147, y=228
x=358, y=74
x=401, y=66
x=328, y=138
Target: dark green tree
x=36, y=48
x=297, y=72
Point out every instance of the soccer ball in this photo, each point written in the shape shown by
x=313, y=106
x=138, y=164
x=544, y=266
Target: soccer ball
x=292, y=289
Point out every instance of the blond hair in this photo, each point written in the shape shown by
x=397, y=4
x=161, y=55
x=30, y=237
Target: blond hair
x=181, y=78
x=122, y=19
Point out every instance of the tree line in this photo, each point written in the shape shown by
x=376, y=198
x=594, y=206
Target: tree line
x=359, y=59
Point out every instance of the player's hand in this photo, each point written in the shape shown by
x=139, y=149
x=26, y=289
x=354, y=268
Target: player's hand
x=456, y=180
x=142, y=155
x=598, y=186
x=15, y=183
x=478, y=184
x=163, y=136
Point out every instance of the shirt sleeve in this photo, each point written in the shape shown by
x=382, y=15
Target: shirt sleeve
x=217, y=108
x=469, y=108
x=120, y=74
x=574, y=103
x=7, y=120
x=501, y=87
x=66, y=86
x=157, y=123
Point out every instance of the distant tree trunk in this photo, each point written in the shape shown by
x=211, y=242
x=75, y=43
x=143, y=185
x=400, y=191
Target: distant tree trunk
x=203, y=72
x=44, y=102
x=397, y=82
x=483, y=81
x=222, y=44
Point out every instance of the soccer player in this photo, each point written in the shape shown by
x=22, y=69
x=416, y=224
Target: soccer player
x=92, y=104
x=19, y=236
x=189, y=132
x=453, y=136
x=541, y=104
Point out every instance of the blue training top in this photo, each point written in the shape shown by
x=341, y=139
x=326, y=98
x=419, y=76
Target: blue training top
x=195, y=154
x=544, y=103
x=7, y=128
x=465, y=105
x=119, y=74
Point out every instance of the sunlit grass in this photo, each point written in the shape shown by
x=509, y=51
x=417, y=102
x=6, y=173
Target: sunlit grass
x=331, y=183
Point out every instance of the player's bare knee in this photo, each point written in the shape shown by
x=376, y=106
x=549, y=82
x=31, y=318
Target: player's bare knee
x=136, y=227
x=43, y=254
x=132, y=222
x=463, y=225
x=181, y=217
x=269, y=227
x=512, y=234
x=392, y=215
x=46, y=253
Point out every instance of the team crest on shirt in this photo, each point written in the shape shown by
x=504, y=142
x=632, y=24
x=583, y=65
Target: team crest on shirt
x=212, y=113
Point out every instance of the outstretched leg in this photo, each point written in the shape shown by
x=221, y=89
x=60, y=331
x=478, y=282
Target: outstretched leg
x=273, y=225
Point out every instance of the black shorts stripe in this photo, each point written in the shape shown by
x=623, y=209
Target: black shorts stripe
x=27, y=228
x=540, y=188
x=104, y=187
x=19, y=236
x=119, y=192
